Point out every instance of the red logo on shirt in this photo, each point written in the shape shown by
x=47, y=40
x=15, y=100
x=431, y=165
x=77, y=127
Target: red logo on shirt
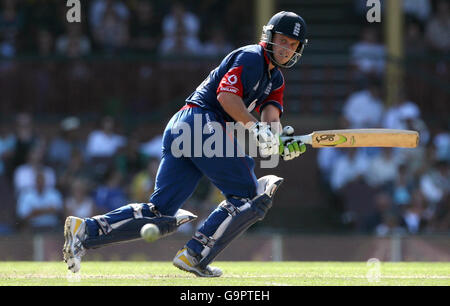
x=231, y=82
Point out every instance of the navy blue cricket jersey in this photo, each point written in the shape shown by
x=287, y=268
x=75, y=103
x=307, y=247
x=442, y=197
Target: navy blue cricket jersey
x=244, y=72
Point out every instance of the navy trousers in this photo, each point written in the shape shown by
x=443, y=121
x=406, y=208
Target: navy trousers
x=178, y=176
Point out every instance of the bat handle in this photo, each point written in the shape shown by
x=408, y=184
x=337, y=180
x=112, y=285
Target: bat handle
x=303, y=138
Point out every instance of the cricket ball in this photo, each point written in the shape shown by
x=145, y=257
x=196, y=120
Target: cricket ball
x=150, y=232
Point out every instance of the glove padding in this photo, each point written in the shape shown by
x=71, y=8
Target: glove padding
x=267, y=141
x=291, y=148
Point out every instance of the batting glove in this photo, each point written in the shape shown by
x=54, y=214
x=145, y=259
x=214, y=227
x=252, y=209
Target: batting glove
x=290, y=149
x=267, y=141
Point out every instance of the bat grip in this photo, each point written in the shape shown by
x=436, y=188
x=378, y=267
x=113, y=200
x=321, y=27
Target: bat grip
x=303, y=138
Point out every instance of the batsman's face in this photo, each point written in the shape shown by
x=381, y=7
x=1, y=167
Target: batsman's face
x=284, y=47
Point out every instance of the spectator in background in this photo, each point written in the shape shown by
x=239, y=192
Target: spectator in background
x=396, y=115
x=104, y=142
x=415, y=123
x=25, y=175
x=7, y=205
x=414, y=43
x=73, y=43
x=382, y=169
x=39, y=207
x=435, y=183
x=402, y=188
x=44, y=14
x=419, y=9
x=179, y=17
x=217, y=44
x=326, y=159
x=180, y=30
x=142, y=184
x=438, y=215
x=390, y=225
x=79, y=203
x=24, y=140
x=405, y=114
x=364, y=109
x=11, y=23
x=111, y=194
x=441, y=142
x=76, y=169
x=111, y=33
x=437, y=30
x=414, y=159
x=242, y=11
x=368, y=55
x=350, y=189
x=6, y=148
x=180, y=44
x=101, y=148
x=129, y=160
x=374, y=222
x=145, y=28
x=352, y=164
x=152, y=148
x=99, y=9
x=44, y=43
x=412, y=217
x=60, y=148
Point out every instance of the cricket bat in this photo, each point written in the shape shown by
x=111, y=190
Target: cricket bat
x=359, y=138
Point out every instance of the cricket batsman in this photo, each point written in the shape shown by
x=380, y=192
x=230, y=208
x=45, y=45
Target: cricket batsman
x=247, y=79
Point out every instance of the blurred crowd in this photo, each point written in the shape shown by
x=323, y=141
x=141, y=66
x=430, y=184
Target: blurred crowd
x=39, y=27
x=387, y=190
x=426, y=31
x=45, y=178
x=393, y=190
x=426, y=46
x=87, y=172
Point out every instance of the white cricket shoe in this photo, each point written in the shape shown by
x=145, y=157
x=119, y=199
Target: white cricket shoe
x=186, y=261
x=74, y=234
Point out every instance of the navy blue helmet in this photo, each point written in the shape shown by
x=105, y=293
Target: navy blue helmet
x=289, y=24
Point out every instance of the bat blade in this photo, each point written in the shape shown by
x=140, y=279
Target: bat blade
x=361, y=138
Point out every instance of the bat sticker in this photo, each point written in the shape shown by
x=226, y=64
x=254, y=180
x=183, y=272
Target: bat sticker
x=329, y=138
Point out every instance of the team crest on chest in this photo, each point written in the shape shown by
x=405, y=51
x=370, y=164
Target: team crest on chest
x=268, y=89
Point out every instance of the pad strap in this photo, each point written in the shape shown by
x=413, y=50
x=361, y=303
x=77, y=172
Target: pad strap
x=203, y=239
x=230, y=208
x=103, y=224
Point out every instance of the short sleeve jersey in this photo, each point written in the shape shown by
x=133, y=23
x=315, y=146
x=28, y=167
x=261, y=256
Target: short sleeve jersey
x=243, y=72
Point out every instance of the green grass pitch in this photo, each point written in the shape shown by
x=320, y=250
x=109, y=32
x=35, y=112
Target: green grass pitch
x=235, y=274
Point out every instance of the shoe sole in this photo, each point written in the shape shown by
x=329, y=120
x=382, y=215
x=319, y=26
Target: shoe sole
x=182, y=267
x=195, y=272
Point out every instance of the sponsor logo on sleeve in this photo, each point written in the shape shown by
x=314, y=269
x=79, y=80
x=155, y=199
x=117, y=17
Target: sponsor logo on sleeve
x=231, y=79
x=229, y=89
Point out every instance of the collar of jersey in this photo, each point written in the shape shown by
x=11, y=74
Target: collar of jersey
x=266, y=58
